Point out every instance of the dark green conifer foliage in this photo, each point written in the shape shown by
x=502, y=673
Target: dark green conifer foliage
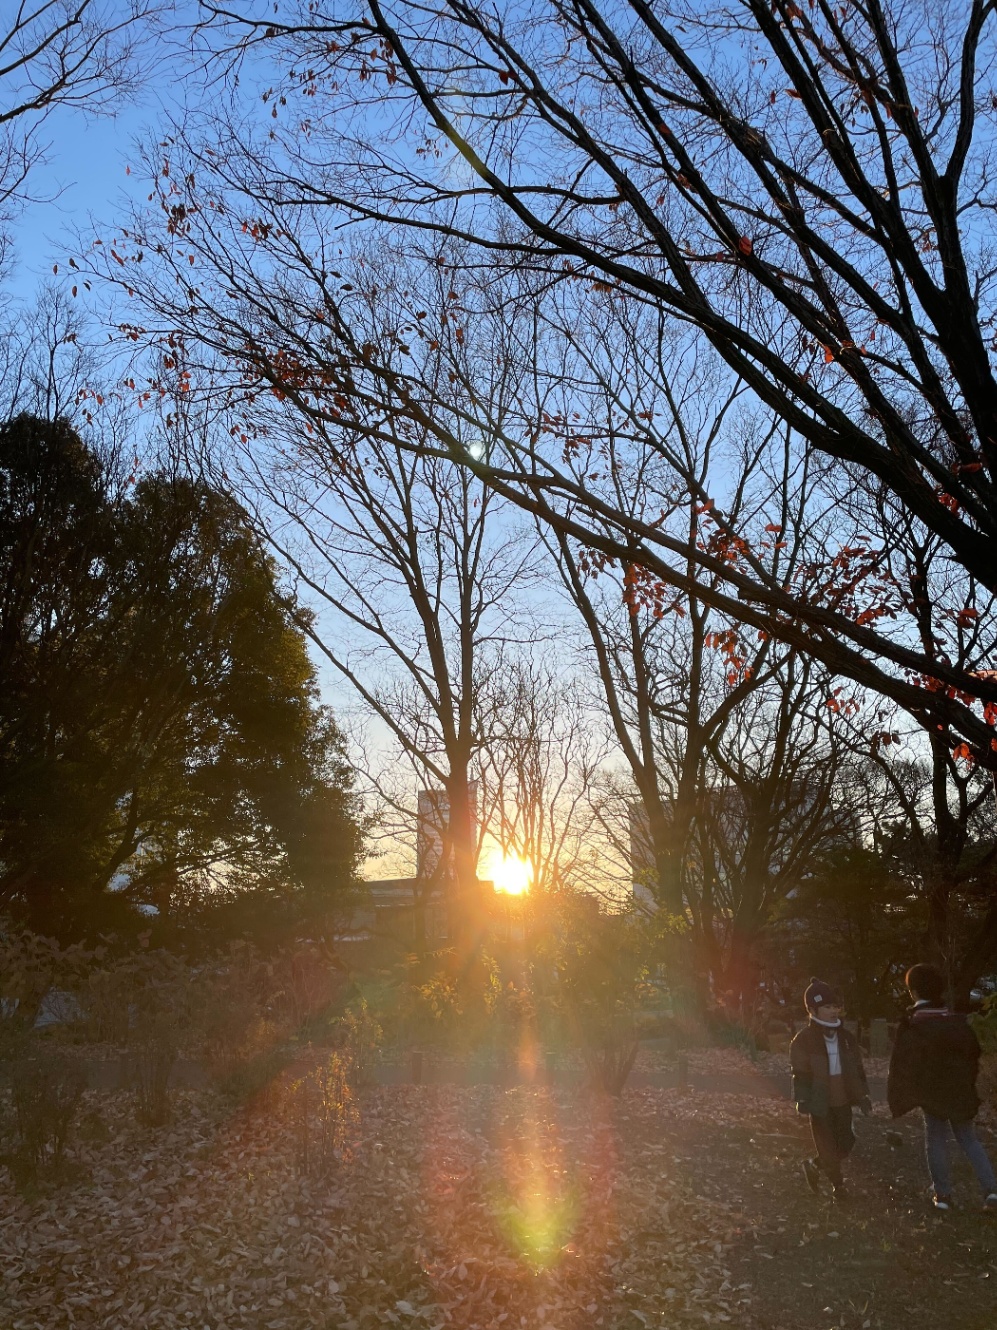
x=159, y=720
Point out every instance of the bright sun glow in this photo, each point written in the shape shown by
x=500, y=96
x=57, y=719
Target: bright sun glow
x=512, y=875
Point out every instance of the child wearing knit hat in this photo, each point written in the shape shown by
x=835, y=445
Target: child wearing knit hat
x=828, y=1082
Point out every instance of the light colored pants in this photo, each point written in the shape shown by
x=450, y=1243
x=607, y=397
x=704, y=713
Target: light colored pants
x=936, y=1141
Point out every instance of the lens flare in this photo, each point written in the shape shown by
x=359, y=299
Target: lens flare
x=538, y=1219
x=535, y=1199
x=519, y=1183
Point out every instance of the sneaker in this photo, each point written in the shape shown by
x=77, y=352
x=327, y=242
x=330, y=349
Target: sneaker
x=940, y=1202
x=812, y=1174
x=991, y=1202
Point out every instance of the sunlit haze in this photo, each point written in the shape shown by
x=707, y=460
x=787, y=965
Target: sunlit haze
x=512, y=875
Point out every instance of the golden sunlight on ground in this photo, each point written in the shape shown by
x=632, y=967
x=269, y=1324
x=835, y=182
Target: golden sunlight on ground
x=512, y=875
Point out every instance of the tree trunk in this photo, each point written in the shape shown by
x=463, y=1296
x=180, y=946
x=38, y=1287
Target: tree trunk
x=465, y=906
x=938, y=942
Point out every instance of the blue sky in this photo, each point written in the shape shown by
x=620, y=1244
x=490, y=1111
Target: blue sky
x=84, y=173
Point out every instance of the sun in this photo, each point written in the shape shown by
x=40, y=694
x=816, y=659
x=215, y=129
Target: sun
x=513, y=875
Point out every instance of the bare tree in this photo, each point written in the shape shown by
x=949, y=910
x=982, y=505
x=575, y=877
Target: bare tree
x=538, y=772
x=772, y=807
x=414, y=568
x=63, y=54
x=809, y=211
x=932, y=813
x=726, y=733
x=918, y=780
x=734, y=765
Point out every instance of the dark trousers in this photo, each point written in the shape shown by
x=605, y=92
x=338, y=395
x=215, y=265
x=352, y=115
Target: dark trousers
x=833, y=1139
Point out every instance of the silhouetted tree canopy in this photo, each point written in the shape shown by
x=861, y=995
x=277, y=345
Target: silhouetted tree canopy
x=161, y=740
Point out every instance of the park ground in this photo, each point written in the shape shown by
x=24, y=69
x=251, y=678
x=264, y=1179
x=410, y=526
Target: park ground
x=483, y=1206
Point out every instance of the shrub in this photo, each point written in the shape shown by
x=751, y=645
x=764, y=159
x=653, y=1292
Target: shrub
x=304, y=984
x=728, y=1032
x=511, y=1013
x=29, y=967
x=257, y=1079
x=987, y=1082
x=46, y=1090
x=230, y=1025
x=431, y=1010
x=360, y=1035
x=108, y=996
x=603, y=962
x=985, y=1025
x=156, y=1036
x=154, y=991
x=321, y=1112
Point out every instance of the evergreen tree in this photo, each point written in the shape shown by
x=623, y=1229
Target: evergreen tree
x=161, y=739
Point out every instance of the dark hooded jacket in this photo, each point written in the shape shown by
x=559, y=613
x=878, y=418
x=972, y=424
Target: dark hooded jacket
x=811, y=1077
x=935, y=1059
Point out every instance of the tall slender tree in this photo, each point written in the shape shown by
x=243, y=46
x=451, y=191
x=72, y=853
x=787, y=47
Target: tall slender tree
x=423, y=579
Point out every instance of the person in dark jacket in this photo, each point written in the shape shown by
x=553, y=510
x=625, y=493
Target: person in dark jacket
x=828, y=1082
x=935, y=1060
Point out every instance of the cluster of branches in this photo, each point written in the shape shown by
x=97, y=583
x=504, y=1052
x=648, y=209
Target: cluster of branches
x=64, y=54
x=443, y=614
x=804, y=213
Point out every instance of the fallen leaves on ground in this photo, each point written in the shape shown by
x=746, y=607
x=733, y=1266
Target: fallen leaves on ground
x=478, y=1207
x=465, y=1207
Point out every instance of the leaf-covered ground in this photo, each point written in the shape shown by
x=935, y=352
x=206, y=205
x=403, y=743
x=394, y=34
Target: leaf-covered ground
x=482, y=1207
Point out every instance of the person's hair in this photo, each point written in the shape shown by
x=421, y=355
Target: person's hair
x=925, y=981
